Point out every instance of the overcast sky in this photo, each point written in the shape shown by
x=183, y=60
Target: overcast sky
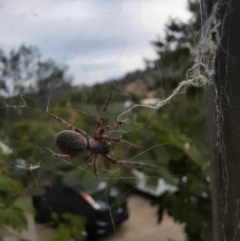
x=97, y=39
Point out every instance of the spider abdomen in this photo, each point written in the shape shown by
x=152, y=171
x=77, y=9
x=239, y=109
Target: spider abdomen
x=71, y=142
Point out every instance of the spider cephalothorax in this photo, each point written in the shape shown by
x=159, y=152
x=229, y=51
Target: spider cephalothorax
x=74, y=142
x=98, y=147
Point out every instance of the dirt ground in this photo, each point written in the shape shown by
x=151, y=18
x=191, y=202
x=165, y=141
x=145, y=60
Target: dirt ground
x=141, y=225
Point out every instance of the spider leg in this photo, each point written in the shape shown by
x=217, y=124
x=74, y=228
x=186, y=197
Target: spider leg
x=126, y=163
x=86, y=158
x=100, y=121
x=108, y=128
x=61, y=156
x=95, y=169
x=117, y=140
x=69, y=126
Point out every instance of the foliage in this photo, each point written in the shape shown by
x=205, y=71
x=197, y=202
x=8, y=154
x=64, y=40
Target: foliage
x=176, y=50
x=183, y=124
x=12, y=207
x=11, y=214
x=70, y=228
x=23, y=72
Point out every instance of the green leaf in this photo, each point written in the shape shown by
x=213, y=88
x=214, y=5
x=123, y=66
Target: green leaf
x=71, y=228
x=24, y=205
x=13, y=217
x=9, y=185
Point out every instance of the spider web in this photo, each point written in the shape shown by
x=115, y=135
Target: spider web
x=95, y=63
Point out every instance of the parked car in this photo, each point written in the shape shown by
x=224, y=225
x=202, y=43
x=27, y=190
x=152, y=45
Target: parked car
x=156, y=190
x=78, y=192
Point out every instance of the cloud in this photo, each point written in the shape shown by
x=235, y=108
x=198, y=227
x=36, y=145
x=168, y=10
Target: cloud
x=97, y=39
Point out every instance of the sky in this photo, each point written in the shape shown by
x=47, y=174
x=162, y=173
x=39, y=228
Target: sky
x=97, y=39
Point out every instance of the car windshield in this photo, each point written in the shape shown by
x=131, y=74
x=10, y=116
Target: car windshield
x=83, y=180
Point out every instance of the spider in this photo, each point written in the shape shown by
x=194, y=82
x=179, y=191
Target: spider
x=75, y=141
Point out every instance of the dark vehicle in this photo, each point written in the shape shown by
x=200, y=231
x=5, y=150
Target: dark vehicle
x=78, y=192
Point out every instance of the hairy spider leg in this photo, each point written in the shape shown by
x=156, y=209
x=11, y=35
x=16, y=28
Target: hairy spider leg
x=61, y=156
x=110, y=127
x=69, y=126
x=95, y=169
x=64, y=157
x=117, y=140
x=100, y=120
x=125, y=163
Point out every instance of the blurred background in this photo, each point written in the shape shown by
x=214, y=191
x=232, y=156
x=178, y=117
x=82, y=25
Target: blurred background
x=67, y=57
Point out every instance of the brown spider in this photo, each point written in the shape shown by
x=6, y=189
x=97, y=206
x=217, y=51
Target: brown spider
x=74, y=142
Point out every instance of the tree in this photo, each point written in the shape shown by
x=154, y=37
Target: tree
x=176, y=50
x=27, y=79
x=186, y=130
x=23, y=71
